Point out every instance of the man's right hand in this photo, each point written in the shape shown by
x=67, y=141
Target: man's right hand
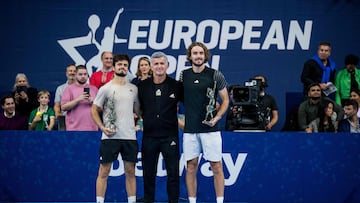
x=108, y=132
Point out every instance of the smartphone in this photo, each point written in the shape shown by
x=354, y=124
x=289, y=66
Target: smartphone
x=87, y=90
x=21, y=88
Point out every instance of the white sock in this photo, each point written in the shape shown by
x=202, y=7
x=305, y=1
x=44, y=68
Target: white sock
x=192, y=199
x=99, y=199
x=219, y=199
x=132, y=199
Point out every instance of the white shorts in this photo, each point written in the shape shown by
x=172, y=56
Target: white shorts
x=209, y=143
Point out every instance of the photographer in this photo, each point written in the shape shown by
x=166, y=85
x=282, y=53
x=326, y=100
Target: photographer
x=77, y=100
x=250, y=107
x=24, y=95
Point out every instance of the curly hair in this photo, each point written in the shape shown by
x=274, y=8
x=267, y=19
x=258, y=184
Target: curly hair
x=192, y=45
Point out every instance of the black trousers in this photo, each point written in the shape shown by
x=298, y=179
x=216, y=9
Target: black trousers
x=150, y=150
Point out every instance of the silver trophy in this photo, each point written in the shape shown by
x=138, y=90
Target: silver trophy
x=110, y=114
x=210, y=108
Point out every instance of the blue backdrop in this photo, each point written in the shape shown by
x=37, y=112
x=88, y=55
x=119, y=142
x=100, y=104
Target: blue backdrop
x=259, y=167
x=40, y=38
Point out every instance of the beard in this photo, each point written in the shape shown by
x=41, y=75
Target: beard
x=81, y=82
x=121, y=74
x=198, y=64
x=315, y=98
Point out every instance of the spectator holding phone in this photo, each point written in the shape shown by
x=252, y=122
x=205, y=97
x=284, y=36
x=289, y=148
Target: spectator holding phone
x=77, y=100
x=25, y=96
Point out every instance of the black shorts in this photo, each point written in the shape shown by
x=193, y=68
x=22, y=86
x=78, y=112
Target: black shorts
x=110, y=149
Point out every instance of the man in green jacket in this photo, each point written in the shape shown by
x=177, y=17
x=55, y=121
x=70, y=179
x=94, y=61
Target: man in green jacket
x=347, y=79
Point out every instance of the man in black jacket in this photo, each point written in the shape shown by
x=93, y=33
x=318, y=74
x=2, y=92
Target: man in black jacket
x=159, y=97
x=319, y=69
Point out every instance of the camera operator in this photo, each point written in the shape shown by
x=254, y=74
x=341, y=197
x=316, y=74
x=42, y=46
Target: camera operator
x=252, y=109
x=267, y=105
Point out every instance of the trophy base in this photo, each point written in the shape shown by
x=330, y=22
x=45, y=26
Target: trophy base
x=112, y=128
x=207, y=123
x=110, y=132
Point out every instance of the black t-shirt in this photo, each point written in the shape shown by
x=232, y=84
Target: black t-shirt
x=196, y=99
x=267, y=103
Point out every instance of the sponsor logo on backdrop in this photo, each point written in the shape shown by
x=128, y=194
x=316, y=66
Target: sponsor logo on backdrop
x=174, y=35
x=107, y=43
x=232, y=167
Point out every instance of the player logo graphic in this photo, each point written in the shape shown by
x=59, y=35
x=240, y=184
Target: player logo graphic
x=106, y=44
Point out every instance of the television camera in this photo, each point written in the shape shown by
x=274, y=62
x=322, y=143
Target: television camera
x=246, y=111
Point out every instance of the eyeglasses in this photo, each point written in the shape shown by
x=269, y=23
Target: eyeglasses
x=315, y=90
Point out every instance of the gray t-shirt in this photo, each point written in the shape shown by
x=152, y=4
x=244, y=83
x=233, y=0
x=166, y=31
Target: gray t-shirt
x=59, y=91
x=122, y=99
